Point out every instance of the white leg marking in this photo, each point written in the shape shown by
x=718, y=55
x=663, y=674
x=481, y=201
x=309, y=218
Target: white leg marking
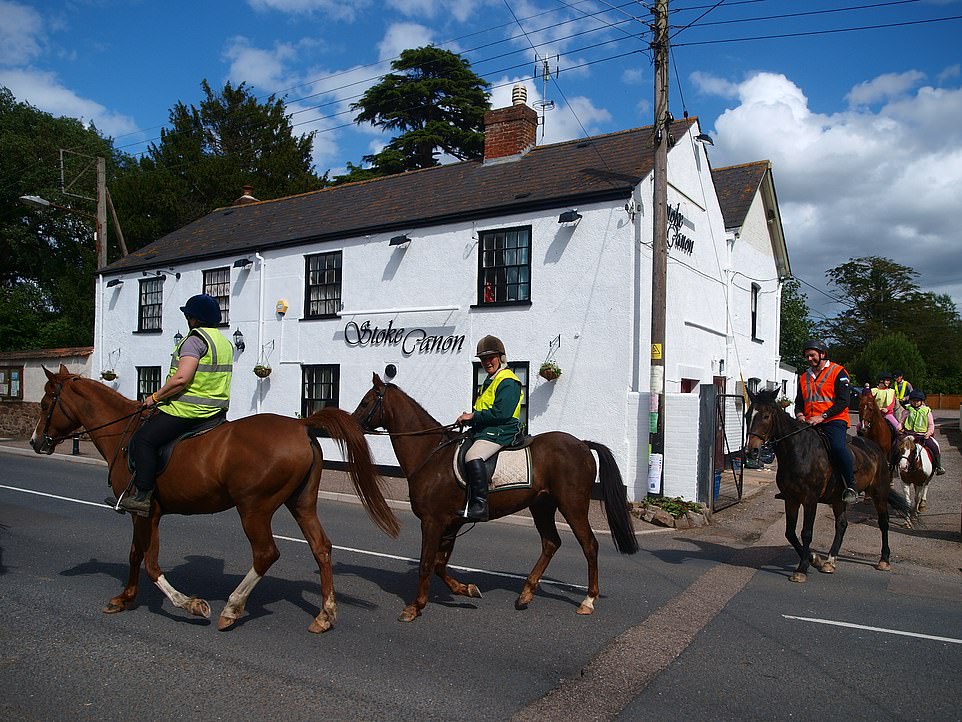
x=589, y=602
x=238, y=598
x=175, y=597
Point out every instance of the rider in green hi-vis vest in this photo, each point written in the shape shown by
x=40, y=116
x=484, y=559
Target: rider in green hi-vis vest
x=197, y=388
x=493, y=423
x=919, y=422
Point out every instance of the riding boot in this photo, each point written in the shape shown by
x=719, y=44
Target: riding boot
x=477, y=478
x=137, y=501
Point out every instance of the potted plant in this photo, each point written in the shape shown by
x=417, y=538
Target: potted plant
x=784, y=402
x=549, y=370
x=108, y=375
x=262, y=371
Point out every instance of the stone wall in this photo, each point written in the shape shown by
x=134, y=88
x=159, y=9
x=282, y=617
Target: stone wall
x=18, y=419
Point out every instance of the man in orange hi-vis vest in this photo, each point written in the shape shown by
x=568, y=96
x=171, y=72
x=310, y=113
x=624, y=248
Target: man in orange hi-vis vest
x=822, y=398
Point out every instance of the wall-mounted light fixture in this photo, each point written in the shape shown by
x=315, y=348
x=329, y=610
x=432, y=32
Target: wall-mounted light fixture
x=571, y=216
x=721, y=366
x=239, y=340
x=242, y=263
x=113, y=283
x=162, y=274
x=178, y=337
x=403, y=240
x=704, y=138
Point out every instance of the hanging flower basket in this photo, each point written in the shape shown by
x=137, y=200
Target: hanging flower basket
x=549, y=370
x=262, y=371
x=784, y=402
x=108, y=375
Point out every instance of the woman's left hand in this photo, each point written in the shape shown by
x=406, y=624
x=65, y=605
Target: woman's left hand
x=464, y=418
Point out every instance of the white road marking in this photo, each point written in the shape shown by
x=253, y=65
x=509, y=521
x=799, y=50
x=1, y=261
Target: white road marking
x=874, y=629
x=339, y=548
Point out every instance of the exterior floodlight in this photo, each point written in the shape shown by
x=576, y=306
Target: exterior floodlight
x=401, y=240
x=571, y=216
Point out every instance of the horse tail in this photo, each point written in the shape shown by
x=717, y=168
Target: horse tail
x=341, y=426
x=616, y=504
x=902, y=506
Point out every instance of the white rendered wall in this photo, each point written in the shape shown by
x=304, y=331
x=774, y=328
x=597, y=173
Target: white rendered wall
x=681, y=446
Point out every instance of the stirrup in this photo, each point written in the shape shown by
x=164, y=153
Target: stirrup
x=939, y=471
x=850, y=495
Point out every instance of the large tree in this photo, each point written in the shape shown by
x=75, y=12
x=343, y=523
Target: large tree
x=207, y=155
x=882, y=298
x=48, y=256
x=436, y=103
x=796, y=326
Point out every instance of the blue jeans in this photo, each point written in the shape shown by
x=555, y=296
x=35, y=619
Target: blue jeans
x=837, y=434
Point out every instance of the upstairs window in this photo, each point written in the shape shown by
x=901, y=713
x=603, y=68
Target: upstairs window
x=217, y=284
x=504, y=266
x=322, y=285
x=756, y=289
x=151, y=307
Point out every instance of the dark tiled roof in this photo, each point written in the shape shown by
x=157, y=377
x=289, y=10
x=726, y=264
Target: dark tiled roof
x=46, y=353
x=736, y=187
x=598, y=168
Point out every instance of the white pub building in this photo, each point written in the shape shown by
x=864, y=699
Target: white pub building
x=546, y=247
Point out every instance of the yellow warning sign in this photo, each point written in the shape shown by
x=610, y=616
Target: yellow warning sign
x=656, y=351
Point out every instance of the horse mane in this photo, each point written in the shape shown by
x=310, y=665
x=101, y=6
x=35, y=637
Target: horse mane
x=417, y=406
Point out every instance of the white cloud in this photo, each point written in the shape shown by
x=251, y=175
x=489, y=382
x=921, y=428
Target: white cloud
x=459, y=10
x=402, y=36
x=884, y=182
x=44, y=91
x=884, y=87
x=332, y=8
x=561, y=123
x=21, y=33
x=255, y=66
x=953, y=71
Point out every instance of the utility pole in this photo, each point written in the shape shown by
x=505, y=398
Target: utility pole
x=101, y=242
x=659, y=261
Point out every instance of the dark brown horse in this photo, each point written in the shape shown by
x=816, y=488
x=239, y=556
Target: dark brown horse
x=874, y=424
x=256, y=464
x=805, y=478
x=563, y=473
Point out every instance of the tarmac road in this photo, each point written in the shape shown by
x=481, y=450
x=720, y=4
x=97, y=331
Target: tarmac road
x=701, y=622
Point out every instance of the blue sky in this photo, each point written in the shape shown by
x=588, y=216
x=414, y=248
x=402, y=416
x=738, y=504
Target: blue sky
x=862, y=125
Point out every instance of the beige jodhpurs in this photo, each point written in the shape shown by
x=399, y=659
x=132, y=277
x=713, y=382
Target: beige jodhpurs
x=481, y=449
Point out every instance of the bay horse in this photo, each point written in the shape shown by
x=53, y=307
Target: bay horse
x=875, y=426
x=256, y=464
x=805, y=478
x=915, y=470
x=563, y=474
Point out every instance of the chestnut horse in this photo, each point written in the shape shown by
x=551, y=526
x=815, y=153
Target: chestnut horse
x=875, y=426
x=256, y=464
x=563, y=474
x=805, y=478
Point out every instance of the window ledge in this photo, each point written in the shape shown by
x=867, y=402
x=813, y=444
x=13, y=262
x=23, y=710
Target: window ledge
x=757, y=340
x=500, y=304
x=149, y=331
x=326, y=317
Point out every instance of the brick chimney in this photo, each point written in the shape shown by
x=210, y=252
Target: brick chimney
x=510, y=133
x=247, y=197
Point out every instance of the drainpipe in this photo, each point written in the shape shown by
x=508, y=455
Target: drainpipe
x=260, y=323
x=778, y=329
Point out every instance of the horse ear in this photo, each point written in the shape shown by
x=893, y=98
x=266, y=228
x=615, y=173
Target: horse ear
x=48, y=372
x=63, y=370
x=378, y=383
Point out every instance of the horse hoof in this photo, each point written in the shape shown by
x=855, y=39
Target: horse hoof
x=798, y=577
x=817, y=562
x=585, y=610
x=114, y=607
x=922, y=506
x=198, y=607
x=409, y=614
x=319, y=626
x=883, y=566
x=519, y=605
x=225, y=623
x=827, y=568
x=473, y=591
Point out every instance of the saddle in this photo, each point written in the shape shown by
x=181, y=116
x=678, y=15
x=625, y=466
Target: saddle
x=514, y=470
x=165, y=452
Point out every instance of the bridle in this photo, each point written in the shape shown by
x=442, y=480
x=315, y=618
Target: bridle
x=369, y=427
x=772, y=440
x=48, y=441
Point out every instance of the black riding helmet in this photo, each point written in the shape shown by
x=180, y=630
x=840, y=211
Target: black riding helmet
x=817, y=344
x=885, y=376
x=916, y=395
x=204, y=308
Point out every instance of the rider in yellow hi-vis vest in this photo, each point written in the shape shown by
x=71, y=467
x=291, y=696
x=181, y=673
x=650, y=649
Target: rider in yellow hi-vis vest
x=919, y=422
x=197, y=388
x=493, y=423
